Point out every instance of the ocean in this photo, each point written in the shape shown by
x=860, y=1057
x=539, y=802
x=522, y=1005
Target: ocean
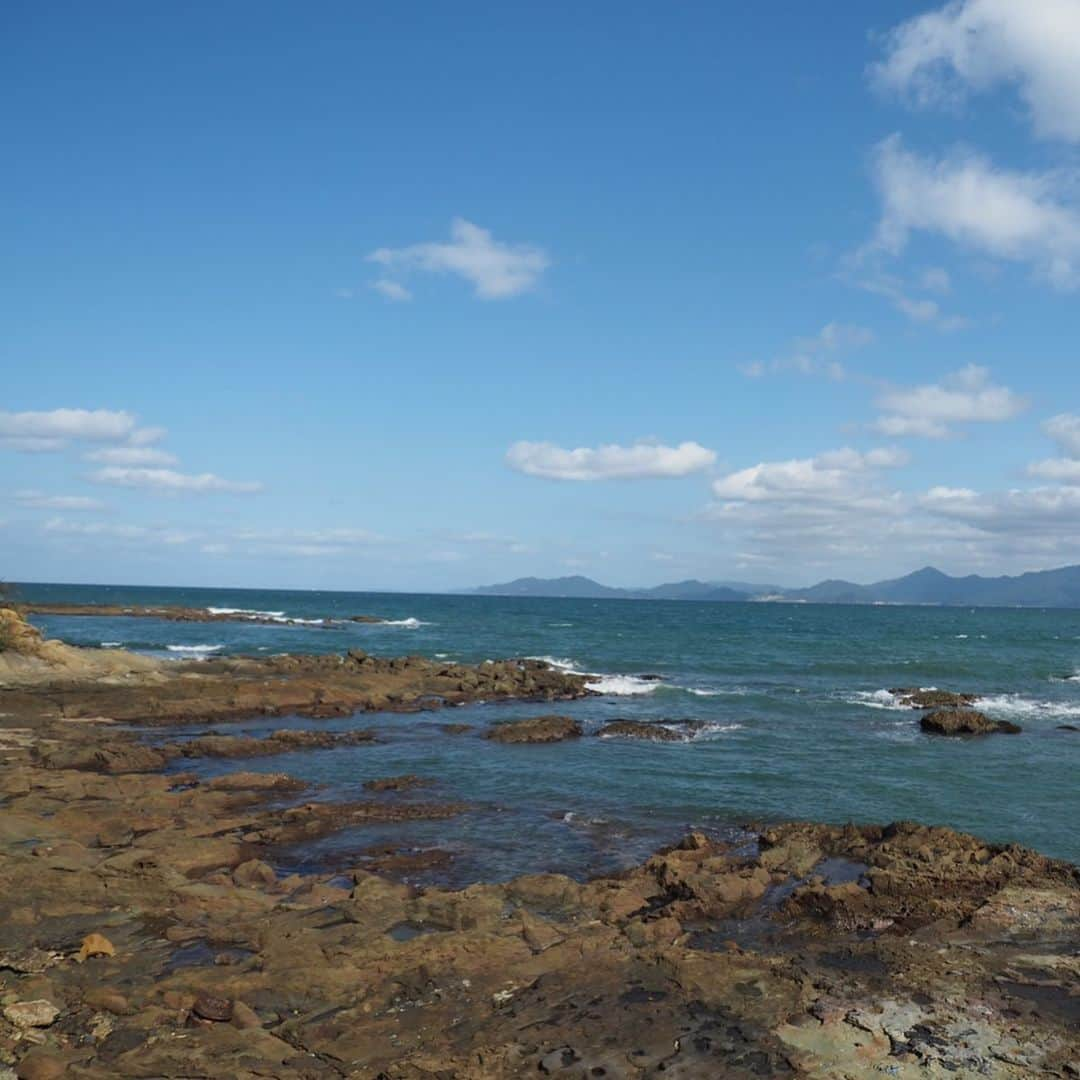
x=788, y=705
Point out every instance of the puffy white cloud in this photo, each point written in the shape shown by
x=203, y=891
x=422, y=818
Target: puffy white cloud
x=37, y=500
x=494, y=269
x=1050, y=509
x=1064, y=470
x=1022, y=217
x=837, y=476
x=611, y=462
x=975, y=45
x=131, y=455
x=966, y=396
x=169, y=481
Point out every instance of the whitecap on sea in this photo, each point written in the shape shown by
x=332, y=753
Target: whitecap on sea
x=197, y=650
x=1017, y=707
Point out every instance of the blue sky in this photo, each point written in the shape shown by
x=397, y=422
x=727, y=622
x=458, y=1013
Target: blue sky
x=424, y=296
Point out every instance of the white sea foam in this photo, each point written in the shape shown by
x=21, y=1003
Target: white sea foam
x=876, y=699
x=246, y=613
x=196, y=650
x=698, y=691
x=710, y=731
x=601, y=682
x=407, y=624
x=569, y=666
x=112, y=644
x=1016, y=706
x=622, y=685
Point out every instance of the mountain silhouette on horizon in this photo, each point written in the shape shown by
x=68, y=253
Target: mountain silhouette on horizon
x=1038, y=588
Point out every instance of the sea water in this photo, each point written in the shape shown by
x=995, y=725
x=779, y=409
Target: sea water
x=789, y=704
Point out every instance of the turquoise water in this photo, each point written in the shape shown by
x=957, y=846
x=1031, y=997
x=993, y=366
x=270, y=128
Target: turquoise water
x=792, y=719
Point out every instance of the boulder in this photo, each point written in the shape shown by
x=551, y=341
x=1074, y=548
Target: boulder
x=539, y=729
x=31, y=1014
x=965, y=722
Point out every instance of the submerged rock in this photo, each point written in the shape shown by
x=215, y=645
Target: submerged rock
x=396, y=783
x=639, y=729
x=31, y=1014
x=540, y=729
x=932, y=699
x=965, y=722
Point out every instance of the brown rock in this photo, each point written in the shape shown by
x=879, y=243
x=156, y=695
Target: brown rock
x=254, y=872
x=41, y=1064
x=932, y=699
x=104, y=997
x=31, y=1014
x=539, y=729
x=244, y=1016
x=396, y=783
x=95, y=945
x=638, y=729
x=965, y=722
x=207, y=1007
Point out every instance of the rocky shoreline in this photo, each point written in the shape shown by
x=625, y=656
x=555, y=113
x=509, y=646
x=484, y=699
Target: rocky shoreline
x=146, y=930
x=177, y=613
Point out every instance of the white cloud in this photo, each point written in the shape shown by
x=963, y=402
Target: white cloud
x=118, y=531
x=1017, y=216
x=643, y=459
x=1064, y=470
x=46, y=431
x=1048, y=510
x=835, y=476
x=131, y=455
x=495, y=270
x=1064, y=429
x=391, y=290
x=306, y=543
x=975, y=45
x=169, y=480
x=37, y=500
x=144, y=436
x=966, y=396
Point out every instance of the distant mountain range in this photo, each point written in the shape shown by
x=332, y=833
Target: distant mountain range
x=1043, y=588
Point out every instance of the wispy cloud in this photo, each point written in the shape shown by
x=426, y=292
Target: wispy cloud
x=816, y=355
x=110, y=530
x=495, y=270
x=966, y=46
x=611, y=462
x=37, y=500
x=169, y=481
x=130, y=455
x=391, y=290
